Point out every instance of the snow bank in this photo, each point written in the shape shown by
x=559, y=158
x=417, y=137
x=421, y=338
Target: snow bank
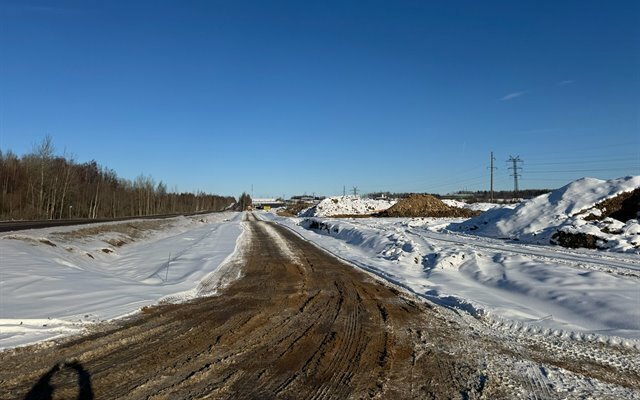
x=55, y=283
x=541, y=288
x=565, y=209
x=475, y=206
x=346, y=205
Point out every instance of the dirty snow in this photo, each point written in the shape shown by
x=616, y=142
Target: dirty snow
x=53, y=284
x=346, y=205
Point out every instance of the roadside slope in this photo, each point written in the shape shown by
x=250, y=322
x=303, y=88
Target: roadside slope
x=57, y=281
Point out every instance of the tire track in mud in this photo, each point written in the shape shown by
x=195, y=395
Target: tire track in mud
x=297, y=324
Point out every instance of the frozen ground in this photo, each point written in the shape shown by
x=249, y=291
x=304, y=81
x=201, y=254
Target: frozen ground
x=584, y=294
x=57, y=280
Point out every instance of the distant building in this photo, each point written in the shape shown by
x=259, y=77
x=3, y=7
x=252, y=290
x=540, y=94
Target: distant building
x=260, y=204
x=305, y=199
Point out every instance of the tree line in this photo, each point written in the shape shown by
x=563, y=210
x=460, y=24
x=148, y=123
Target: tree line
x=479, y=196
x=41, y=185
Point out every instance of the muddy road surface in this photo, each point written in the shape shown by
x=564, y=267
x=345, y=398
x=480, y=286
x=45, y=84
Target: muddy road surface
x=297, y=323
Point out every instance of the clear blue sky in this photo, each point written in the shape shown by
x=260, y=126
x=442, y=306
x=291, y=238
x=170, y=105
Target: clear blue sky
x=308, y=96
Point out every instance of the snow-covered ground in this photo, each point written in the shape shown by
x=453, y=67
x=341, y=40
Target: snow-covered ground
x=57, y=280
x=475, y=206
x=578, y=293
x=347, y=205
x=566, y=209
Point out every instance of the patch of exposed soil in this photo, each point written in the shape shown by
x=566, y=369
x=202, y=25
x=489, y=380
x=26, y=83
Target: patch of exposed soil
x=424, y=205
x=575, y=240
x=31, y=240
x=292, y=210
x=623, y=207
x=134, y=230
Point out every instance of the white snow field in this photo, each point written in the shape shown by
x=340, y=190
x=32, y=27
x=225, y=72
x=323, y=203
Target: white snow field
x=475, y=206
x=545, y=289
x=54, y=282
x=346, y=205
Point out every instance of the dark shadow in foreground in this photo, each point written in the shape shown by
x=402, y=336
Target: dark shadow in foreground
x=43, y=389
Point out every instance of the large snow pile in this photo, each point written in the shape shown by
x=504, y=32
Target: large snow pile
x=57, y=280
x=345, y=206
x=569, y=216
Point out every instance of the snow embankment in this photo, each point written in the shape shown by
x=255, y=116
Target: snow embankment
x=346, y=205
x=536, y=288
x=572, y=209
x=57, y=280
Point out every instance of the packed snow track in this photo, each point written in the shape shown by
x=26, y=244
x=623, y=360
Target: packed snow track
x=300, y=323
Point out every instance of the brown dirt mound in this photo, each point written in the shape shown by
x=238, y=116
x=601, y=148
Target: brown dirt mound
x=623, y=207
x=424, y=205
x=292, y=210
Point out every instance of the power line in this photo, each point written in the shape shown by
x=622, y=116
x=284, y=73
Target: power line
x=355, y=191
x=581, y=170
x=492, y=168
x=586, y=161
x=578, y=150
x=438, y=182
x=515, y=160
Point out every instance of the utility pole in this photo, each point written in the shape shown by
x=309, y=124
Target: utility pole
x=515, y=160
x=344, y=190
x=355, y=191
x=492, y=168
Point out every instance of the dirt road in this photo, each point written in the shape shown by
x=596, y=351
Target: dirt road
x=297, y=324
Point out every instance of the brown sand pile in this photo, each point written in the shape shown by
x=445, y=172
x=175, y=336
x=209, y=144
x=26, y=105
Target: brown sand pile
x=293, y=210
x=424, y=205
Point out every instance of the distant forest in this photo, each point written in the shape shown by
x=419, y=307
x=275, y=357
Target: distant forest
x=480, y=196
x=41, y=185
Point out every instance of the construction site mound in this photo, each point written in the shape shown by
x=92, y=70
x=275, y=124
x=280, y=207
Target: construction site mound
x=292, y=210
x=424, y=205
